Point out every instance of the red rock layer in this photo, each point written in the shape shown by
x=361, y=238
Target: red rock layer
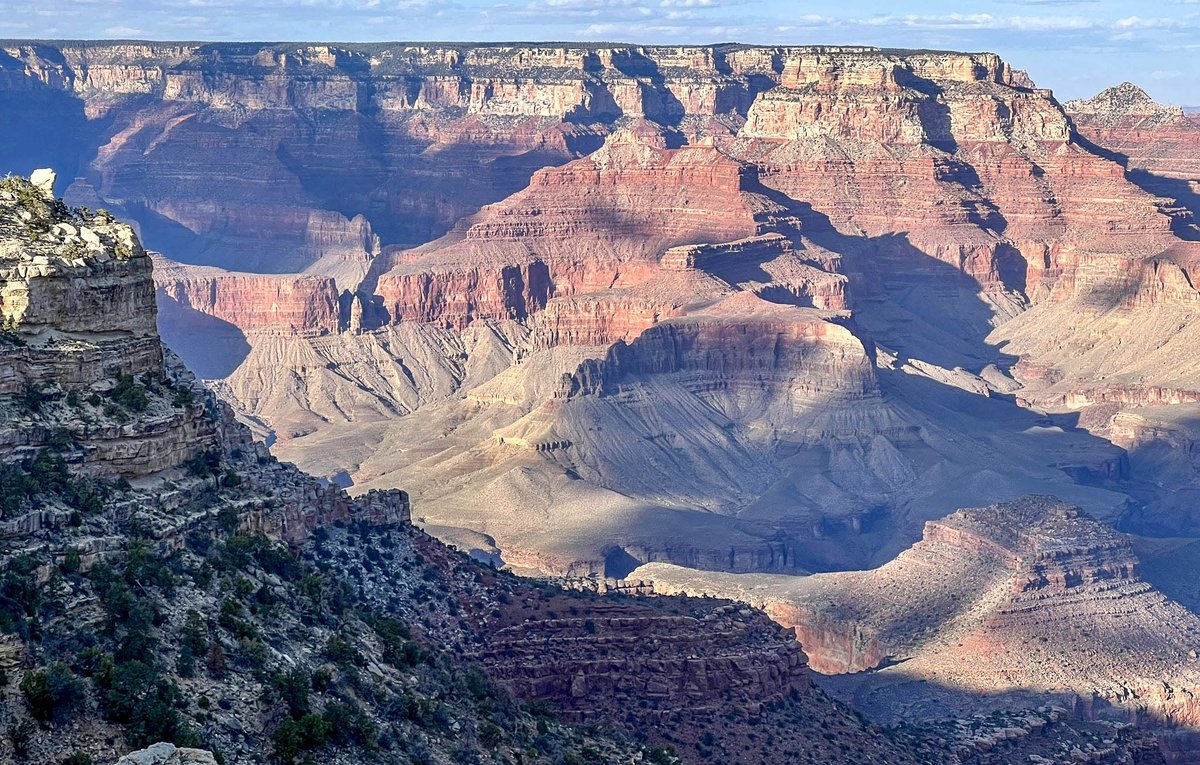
x=289, y=304
x=961, y=163
x=597, y=320
x=705, y=662
x=597, y=223
x=1160, y=140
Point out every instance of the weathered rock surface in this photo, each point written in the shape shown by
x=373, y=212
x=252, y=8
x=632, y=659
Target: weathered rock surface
x=601, y=222
x=168, y=754
x=697, y=662
x=289, y=304
x=78, y=315
x=1158, y=145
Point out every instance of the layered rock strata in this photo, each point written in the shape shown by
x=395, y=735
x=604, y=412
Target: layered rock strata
x=79, y=321
x=1157, y=144
x=635, y=657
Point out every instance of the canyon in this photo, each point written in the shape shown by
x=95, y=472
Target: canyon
x=655, y=206
x=751, y=321
x=154, y=558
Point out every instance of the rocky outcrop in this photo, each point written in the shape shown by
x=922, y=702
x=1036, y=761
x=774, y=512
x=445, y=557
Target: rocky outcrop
x=719, y=345
x=291, y=304
x=1158, y=145
x=597, y=319
x=604, y=663
x=1150, y=137
x=79, y=326
x=168, y=754
x=598, y=223
x=902, y=100
x=1017, y=598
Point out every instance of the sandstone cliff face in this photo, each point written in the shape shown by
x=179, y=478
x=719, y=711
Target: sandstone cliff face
x=968, y=168
x=79, y=315
x=440, y=132
x=597, y=223
x=740, y=666
x=1157, y=144
x=764, y=348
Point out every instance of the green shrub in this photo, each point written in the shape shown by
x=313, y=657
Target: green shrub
x=348, y=724
x=129, y=394
x=19, y=735
x=183, y=398
x=19, y=595
x=33, y=397
x=205, y=464
x=292, y=689
x=195, y=633
x=342, y=652
x=136, y=695
x=16, y=489
x=52, y=694
x=47, y=475
x=72, y=561
x=294, y=737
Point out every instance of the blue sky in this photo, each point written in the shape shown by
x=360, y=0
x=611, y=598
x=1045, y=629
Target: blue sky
x=1075, y=47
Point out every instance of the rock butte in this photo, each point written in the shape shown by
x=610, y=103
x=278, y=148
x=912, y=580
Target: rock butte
x=1020, y=597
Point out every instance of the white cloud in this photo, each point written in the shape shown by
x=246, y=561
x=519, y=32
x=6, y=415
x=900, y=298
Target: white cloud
x=982, y=21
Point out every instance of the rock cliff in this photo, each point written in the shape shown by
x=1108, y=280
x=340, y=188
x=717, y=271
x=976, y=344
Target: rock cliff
x=80, y=339
x=1156, y=143
x=252, y=303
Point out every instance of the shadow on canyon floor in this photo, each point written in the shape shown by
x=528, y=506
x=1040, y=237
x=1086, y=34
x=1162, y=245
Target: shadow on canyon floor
x=1173, y=567
x=212, y=348
x=892, y=697
x=1163, y=478
x=906, y=300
